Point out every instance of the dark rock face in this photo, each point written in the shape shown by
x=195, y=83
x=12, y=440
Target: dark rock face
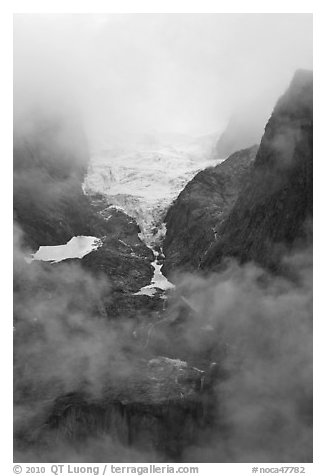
x=124, y=259
x=144, y=411
x=50, y=160
x=193, y=220
x=273, y=212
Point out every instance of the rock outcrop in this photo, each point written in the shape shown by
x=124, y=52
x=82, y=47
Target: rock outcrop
x=157, y=411
x=50, y=160
x=193, y=219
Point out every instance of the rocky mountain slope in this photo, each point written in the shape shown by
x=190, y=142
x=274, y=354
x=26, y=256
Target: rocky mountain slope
x=273, y=212
x=50, y=160
x=255, y=205
x=193, y=219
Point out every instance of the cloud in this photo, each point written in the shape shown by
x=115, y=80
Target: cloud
x=256, y=328
x=136, y=73
x=260, y=336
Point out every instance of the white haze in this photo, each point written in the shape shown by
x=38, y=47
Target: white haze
x=157, y=73
x=63, y=344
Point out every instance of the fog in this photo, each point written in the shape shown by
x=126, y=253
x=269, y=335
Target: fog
x=263, y=322
x=158, y=73
x=266, y=324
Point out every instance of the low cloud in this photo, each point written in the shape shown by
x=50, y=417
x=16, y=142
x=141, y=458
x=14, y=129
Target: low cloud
x=257, y=329
x=263, y=324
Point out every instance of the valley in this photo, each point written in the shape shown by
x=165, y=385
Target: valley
x=142, y=181
x=166, y=291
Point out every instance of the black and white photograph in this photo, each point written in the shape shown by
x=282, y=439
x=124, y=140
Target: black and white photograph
x=162, y=239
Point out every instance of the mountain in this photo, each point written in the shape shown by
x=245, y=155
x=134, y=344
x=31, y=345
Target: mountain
x=49, y=162
x=273, y=212
x=257, y=204
x=194, y=217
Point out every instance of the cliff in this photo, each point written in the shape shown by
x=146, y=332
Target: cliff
x=273, y=212
x=155, y=412
x=49, y=162
x=257, y=204
x=192, y=221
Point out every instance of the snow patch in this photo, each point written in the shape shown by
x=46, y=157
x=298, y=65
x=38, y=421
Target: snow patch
x=77, y=247
x=159, y=281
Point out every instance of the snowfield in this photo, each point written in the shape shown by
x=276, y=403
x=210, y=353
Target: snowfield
x=77, y=247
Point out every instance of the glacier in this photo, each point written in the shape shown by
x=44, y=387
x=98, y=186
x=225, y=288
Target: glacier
x=143, y=179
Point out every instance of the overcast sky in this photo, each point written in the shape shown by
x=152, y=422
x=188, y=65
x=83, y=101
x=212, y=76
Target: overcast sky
x=183, y=73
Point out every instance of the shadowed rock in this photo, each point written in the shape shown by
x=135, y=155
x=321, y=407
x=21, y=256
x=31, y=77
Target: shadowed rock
x=273, y=212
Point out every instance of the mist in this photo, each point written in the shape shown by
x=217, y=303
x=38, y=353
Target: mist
x=255, y=327
x=264, y=395
x=130, y=74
